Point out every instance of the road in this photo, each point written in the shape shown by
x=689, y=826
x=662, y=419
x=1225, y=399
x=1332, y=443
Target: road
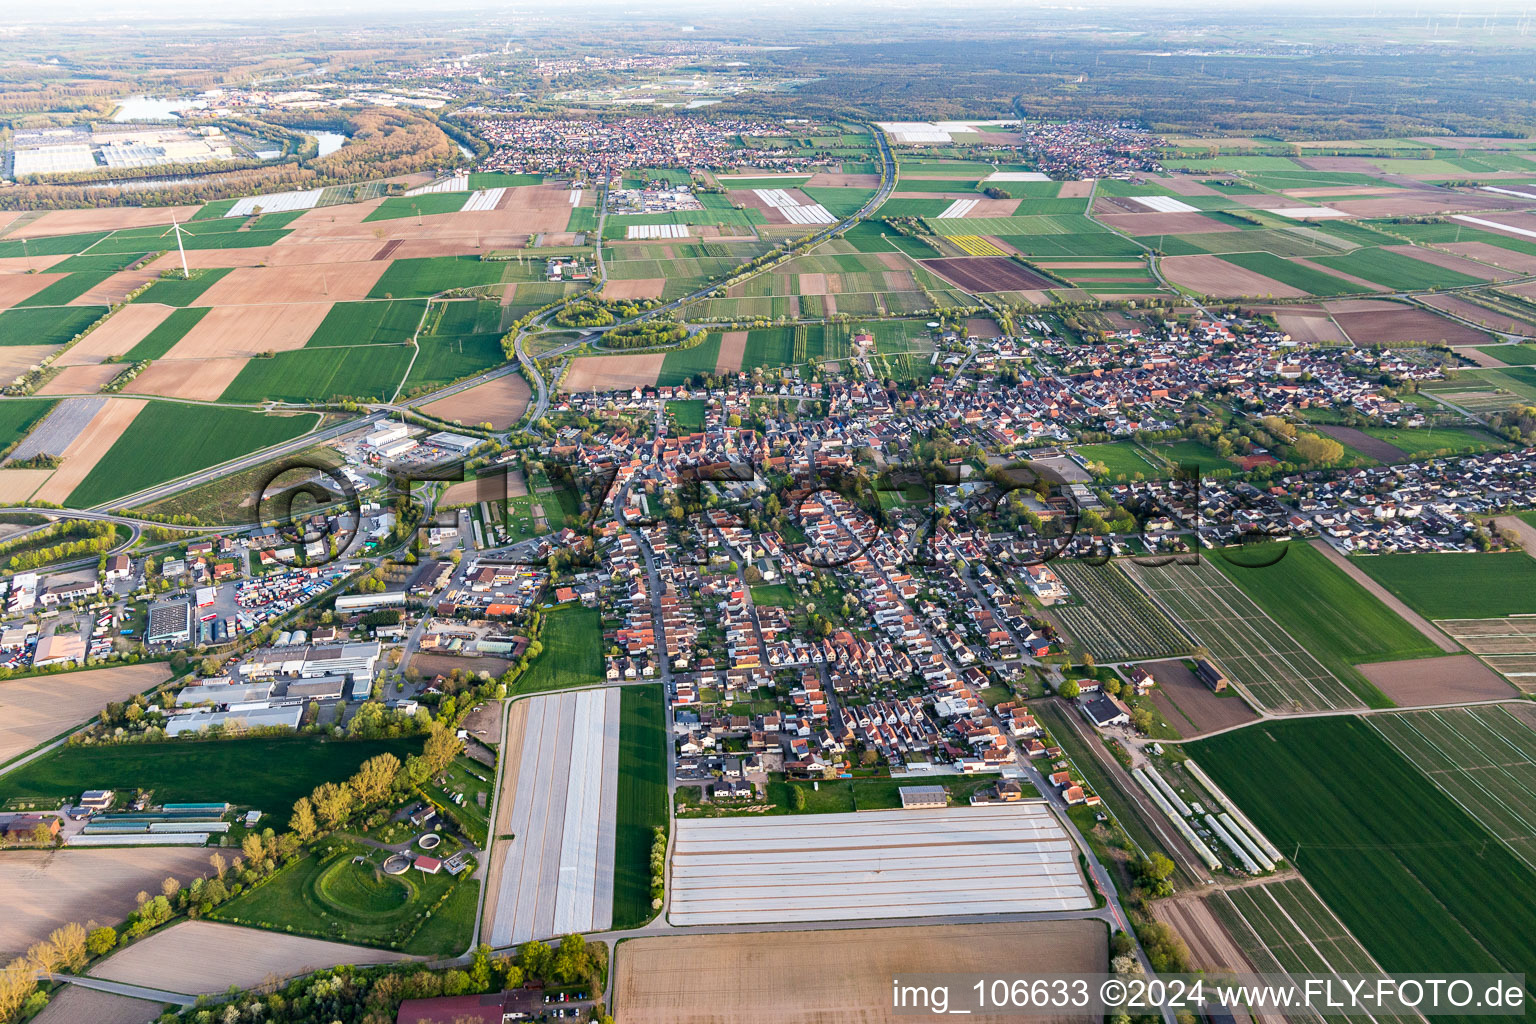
x=153, y=995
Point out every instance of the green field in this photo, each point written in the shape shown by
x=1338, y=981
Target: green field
x=65, y=289
x=1458, y=585
x=774, y=595
x=1121, y=459
x=689, y=414
x=1514, y=355
x=184, y=439
x=583, y=218
x=51, y=245
x=418, y=278
x=1418, y=443
x=48, y=326
x=447, y=358
x=340, y=893
x=368, y=323
x=1396, y=270
x=1416, y=880
x=166, y=334
x=268, y=774
x=176, y=291
x=680, y=364
x=1333, y=617
x=19, y=415
x=322, y=375
x=1308, y=280
x=643, y=750
x=573, y=653
x=396, y=207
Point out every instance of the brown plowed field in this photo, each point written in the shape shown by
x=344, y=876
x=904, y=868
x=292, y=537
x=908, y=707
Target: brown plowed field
x=42, y=889
x=340, y=282
x=115, y=288
x=87, y=449
x=511, y=760
x=81, y=380
x=812, y=284
x=70, y=222
x=202, y=380
x=284, y=254
x=992, y=208
x=1211, y=275
x=204, y=259
x=1210, y=947
x=1360, y=441
x=635, y=288
x=839, y=977
x=825, y=180
x=982, y=327
x=41, y=707
x=500, y=402
x=1449, y=680
x=1164, y=223
x=1189, y=705
x=1184, y=185
x=17, y=485
x=1416, y=204
x=195, y=957
x=75, y=1004
x=16, y=288
x=1522, y=262
x=1449, y=262
x=1311, y=329
x=987, y=273
x=1389, y=326
x=29, y=264
x=244, y=331
x=1075, y=190
x=733, y=345
x=609, y=372
x=121, y=331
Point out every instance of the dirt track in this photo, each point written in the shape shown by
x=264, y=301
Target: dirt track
x=201, y=956
x=1383, y=595
x=830, y=977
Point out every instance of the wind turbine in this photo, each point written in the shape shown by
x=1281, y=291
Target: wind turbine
x=185, y=273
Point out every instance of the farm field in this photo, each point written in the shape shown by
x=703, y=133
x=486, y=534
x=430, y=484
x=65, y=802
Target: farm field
x=642, y=800
x=500, y=402
x=1333, y=616
x=1270, y=665
x=73, y=1003
x=18, y=416
x=38, y=708
x=553, y=869
x=1282, y=927
x=185, y=439
x=339, y=893
x=1487, y=584
x=1114, y=621
x=1483, y=758
x=1506, y=645
x=696, y=979
x=43, y=889
x=197, y=957
x=572, y=654
x=1388, y=852
x=49, y=325
x=1189, y=705
x=322, y=375
x=265, y=773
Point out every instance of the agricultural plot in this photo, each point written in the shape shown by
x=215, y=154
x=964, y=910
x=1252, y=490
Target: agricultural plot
x=642, y=800
x=1406, y=870
x=1114, y=621
x=561, y=786
x=53, y=325
x=19, y=416
x=40, y=708
x=164, y=336
x=1488, y=584
x=368, y=323
x=426, y=205
x=1396, y=270
x=1483, y=758
x=873, y=864
x=1279, y=673
x=677, y=365
x=419, y=278
x=185, y=439
x=1506, y=645
x=572, y=648
x=322, y=375
x=179, y=291
x=1282, y=927
x=443, y=359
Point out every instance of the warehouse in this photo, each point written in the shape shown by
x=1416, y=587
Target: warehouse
x=170, y=624
x=875, y=864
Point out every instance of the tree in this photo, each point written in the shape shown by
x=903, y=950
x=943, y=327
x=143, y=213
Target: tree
x=1314, y=448
x=101, y=940
x=1069, y=689
x=303, y=820
x=374, y=778
x=796, y=799
x=1141, y=720
x=217, y=861
x=1111, y=687
x=169, y=886
x=333, y=804
x=572, y=961
x=441, y=748
x=535, y=959
x=69, y=942
x=17, y=982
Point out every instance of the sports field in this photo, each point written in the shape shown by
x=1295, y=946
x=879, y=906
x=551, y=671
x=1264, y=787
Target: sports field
x=1251, y=647
x=185, y=439
x=1483, y=758
x=1114, y=621
x=1488, y=584
x=1407, y=870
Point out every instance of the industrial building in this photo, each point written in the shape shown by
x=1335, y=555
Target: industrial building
x=170, y=624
